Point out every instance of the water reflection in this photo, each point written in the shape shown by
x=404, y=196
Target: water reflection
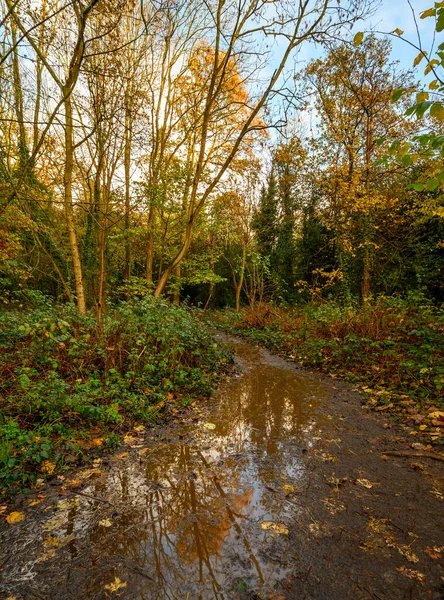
x=190, y=510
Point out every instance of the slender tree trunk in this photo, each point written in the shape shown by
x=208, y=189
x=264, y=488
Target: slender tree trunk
x=150, y=248
x=367, y=256
x=240, y=282
x=127, y=166
x=18, y=97
x=69, y=211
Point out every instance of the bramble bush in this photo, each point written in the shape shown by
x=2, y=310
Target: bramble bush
x=64, y=378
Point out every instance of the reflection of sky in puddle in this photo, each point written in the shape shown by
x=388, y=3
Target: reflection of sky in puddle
x=190, y=512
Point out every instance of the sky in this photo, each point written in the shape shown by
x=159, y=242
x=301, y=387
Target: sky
x=397, y=14
x=391, y=15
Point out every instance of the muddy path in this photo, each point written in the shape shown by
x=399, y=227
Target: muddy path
x=275, y=488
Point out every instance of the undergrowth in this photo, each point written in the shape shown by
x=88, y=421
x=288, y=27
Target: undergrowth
x=394, y=348
x=65, y=381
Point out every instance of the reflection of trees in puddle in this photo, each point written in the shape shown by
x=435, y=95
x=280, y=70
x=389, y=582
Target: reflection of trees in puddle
x=187, y=520
x=267, y=404
x=188, y=515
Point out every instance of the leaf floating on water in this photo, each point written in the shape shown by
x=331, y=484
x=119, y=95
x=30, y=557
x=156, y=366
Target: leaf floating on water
x=115, y=586
x=209, y=426
x=105, y=523
x=15, y=517
x=276, y=527
x=365, y=483
x=288, y=488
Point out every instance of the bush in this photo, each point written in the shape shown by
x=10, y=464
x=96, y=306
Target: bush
x=63, y=377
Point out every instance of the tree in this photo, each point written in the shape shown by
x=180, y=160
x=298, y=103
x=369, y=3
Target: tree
x=353, y=89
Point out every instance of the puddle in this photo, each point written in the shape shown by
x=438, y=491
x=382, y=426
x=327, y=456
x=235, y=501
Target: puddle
x=186, y=517
x=275, y=489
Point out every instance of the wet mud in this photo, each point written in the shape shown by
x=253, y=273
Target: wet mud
x=276, y=488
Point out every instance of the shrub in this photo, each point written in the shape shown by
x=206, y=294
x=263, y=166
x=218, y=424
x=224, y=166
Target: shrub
x=63, y=376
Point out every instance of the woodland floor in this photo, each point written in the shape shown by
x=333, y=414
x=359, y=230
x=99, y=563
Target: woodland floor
x=281, y=486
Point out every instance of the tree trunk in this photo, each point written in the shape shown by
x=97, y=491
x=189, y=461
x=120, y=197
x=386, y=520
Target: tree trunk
x=69, y=212
x=127, y=166
x=238, y=286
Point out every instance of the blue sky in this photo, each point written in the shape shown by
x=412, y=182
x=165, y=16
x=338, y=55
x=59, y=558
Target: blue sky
x=394, y=14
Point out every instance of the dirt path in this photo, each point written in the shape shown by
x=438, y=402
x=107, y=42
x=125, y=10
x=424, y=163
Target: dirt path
x=276, y=488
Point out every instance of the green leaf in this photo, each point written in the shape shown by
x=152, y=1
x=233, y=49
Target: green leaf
x=396, y=95
x=432, y=184
x=357, y=40
x=418, y=187
x=440, y=21
x=437, y=110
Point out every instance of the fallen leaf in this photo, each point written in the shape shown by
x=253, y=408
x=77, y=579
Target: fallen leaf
x=139, y=428
x=434, y=552
x=37, y=500
x=276, y=527
x=15, y=517
x=209, y=426
x=105, y=523
x=438, y=414
x=288, y=488
x=411, y=574
x=407, y=552
x=115, y=586
x=365, y=483
x=47, y=467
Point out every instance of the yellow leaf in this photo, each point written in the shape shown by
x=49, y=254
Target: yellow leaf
x=418, y=59
x=437, y=414
x=422, y=96
x=433, y=63
x=430, y=12
x=276, y=527
x=423, y=427
x=365, y=483
x=48, y=467
x=433, y=85
x=115, y=586
x=398, y=31
x=209, y=426
x=105, y=523
x=288, y=488
x=35, y=502
x=357, y=40
x=15, y=517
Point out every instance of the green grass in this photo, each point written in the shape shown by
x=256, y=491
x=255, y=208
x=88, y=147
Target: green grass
x=65, y=380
